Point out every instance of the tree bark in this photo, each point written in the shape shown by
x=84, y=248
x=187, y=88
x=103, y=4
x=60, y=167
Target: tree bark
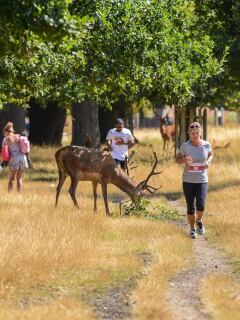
x=120, y=109
x=205, y=124
x=177, y=120
x=85, y=125
x=141, y=119
x=183, y=126
x=106, y=122
x=183, y=118
x=16, y=115
x=46, y=124
x=238, y=117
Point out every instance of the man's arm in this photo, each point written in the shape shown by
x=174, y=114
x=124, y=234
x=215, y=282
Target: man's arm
x=130, y=143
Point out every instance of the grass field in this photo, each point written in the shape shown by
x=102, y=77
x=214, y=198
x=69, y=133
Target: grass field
x=53, y=260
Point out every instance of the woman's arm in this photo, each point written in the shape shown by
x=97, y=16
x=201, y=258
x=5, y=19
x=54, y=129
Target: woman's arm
x=4, y=142
x=180, y=159
x=209, y=159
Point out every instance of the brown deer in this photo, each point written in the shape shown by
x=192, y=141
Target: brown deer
x=87, y=164
x=167, y=131
x=167, y=127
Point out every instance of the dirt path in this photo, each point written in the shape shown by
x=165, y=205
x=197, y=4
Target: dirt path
x=182, y=296
x=114, y=304
x=183, y=299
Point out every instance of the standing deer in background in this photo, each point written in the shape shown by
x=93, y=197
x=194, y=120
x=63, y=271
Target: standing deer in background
x=167, y=131
x=85, y=164
x=166, y=126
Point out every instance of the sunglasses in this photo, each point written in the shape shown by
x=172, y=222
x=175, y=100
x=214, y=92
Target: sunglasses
x=194, y=126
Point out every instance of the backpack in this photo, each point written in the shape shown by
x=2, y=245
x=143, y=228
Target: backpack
x=5, y=153
x=24, y=144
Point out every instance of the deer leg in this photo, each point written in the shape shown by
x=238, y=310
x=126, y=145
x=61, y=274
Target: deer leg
x=104, y=192
x=62, y=178
x=170, y=143
x=167, y=147
x=163, y=148
x=94, y=184
x=72, y=190
x=164, y=144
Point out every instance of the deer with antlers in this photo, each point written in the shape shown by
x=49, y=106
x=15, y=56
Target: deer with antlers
x=167, y=127
x=167, y=132
x=87, y=164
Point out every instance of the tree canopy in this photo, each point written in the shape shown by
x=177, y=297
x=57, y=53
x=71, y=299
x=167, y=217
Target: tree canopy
x=221, y=19
x=72, y=50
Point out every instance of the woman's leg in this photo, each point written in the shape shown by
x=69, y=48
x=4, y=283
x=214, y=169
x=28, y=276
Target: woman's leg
x=200, y=202
x=19, y=180
x=11, y=179
x=201, y=195
x=189, y=190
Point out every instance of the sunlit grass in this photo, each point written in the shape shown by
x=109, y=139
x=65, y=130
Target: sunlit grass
x=221, y=296
x=53, y=258
x=62, y=308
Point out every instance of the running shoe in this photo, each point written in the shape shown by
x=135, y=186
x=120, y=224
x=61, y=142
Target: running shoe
x=200, y=228
x=193, y=234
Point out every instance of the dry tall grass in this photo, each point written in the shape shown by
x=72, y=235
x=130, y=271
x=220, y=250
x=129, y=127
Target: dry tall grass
x=53, y=258
x=221, y=296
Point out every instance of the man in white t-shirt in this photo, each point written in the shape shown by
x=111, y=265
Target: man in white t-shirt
x=119, y=140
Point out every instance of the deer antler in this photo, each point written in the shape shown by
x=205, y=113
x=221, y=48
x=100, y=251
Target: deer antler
x=148, y=188
x=129, y=161
x=144, y=183
x=131, y=156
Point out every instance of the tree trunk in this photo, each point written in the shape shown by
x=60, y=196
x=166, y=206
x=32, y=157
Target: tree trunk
x=16, y=115
x=177, y=120
x=46, y=124
x=205, y=124
x=238, y=117
x=184, y=117
x=183, y=126
x=85, y=125
x=120, y=109
x=141, y=118
x=192, y=114
x=106, y=122
x=130, y=119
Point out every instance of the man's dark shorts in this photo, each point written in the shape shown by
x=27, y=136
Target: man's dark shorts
x=121, y=163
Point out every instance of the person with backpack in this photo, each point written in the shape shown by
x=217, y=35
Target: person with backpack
x=14, y=150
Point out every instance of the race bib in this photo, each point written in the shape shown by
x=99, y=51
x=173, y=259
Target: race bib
x=196, y=167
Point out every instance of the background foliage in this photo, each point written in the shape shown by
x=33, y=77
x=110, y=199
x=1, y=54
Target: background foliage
x=98, y=50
